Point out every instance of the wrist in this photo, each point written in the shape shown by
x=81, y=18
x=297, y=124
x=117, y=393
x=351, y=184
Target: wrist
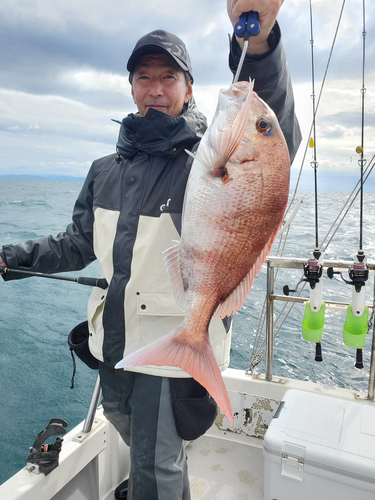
x=254, y=48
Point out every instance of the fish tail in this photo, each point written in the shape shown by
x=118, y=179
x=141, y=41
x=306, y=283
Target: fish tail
x=196, y=359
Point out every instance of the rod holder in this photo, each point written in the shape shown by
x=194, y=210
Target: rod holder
x=355, y=328
x=313, y=323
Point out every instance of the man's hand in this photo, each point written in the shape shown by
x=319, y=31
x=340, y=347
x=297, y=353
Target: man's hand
x=267, y=12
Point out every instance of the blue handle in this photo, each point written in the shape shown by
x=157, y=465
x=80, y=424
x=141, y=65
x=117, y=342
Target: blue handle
x=247, y=25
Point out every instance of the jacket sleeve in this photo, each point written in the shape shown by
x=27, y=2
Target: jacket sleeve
x=272, y=83
x=68, y=251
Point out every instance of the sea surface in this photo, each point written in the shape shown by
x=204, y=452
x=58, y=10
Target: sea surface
x=38, y=314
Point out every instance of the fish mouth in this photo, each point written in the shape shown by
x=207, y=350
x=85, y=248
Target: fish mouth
x=241, y=89
x=238, y=91
x=232, y=98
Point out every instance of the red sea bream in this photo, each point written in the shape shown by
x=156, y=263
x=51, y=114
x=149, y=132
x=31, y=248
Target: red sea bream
x=234, y=204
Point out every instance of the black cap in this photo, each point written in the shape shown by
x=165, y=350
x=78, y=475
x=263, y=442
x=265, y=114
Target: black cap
x=160, y=42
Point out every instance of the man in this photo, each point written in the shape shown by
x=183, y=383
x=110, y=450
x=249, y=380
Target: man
x=127, y=214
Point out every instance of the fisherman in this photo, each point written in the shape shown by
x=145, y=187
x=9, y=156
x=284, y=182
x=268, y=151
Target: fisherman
x=127, y=214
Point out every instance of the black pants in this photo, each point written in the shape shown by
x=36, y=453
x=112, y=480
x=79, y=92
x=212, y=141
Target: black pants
x=140, y=408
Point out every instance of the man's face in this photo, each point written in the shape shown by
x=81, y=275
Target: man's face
x=159, y=83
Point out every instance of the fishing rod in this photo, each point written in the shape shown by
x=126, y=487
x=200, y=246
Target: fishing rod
x=356, y=324
x=314, y=163
x=359, y=149
x=286, y=289
x=256, y=357
x=98, y=282
x=313, y=319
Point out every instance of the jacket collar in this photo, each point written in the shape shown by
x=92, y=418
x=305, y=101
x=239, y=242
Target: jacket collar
x=159, y=134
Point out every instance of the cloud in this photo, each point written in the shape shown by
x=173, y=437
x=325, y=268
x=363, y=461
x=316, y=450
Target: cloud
x=91, y=80
x=35, y=126
x=337, y=132
x=63, y=76
x=65, y=131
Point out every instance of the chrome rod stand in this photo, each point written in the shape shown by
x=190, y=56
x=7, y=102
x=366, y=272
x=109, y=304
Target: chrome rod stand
x=92, y=408
x=269, y=322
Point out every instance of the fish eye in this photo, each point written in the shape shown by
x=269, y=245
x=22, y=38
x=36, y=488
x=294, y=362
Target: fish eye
x=263, y=124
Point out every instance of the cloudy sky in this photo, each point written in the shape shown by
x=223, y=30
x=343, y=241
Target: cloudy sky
x=63, y=77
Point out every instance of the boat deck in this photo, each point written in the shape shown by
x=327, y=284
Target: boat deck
x=220, y=469
x=223, y=464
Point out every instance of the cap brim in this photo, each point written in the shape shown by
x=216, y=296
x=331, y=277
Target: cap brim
x=151, y=49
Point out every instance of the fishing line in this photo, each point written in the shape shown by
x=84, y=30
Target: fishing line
x=256, y=356
x=317, y=106
x=367, y=173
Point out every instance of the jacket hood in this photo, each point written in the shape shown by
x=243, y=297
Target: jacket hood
x=159, y=134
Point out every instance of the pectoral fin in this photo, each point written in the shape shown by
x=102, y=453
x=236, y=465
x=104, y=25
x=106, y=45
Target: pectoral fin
x=172, y=263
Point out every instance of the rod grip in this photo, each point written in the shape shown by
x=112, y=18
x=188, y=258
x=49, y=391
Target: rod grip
x=318, y=352
x=359, y=359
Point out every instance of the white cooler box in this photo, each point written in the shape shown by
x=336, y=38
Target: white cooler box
x=320, y=448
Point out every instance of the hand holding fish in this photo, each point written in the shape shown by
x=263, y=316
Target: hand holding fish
x=267, y=12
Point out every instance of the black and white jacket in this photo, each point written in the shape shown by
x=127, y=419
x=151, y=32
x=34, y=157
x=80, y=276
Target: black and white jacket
x=129, y=212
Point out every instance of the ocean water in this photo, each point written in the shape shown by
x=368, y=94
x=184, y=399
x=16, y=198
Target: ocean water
x=37, y=315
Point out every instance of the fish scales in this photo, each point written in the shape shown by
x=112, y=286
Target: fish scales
x=235, y=200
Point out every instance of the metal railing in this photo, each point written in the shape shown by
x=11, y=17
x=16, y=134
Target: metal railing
x=296, y=263
x=272, y=264
x=87, y=426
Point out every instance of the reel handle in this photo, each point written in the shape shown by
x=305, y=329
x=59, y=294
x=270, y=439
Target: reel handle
x=331, y=272
x=287, y=290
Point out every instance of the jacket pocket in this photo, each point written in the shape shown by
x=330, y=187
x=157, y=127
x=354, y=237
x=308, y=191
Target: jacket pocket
x=158, y=314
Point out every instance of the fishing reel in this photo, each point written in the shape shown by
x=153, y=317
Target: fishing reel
x=358, y=274
x=313, y=319
x=312, y=272
x=45, y=457
x=356, y=324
